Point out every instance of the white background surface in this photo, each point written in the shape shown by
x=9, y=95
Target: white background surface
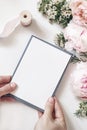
x=16, y=116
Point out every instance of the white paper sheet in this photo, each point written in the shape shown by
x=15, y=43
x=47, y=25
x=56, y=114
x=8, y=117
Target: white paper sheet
x=39, y=72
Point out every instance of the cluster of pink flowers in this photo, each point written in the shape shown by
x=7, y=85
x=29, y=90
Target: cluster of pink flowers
x=77, y=38
x=76, y=31
x=79, y=12
x=76, y=34
x=79, y=80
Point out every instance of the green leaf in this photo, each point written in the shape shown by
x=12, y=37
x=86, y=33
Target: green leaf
x=82, y=110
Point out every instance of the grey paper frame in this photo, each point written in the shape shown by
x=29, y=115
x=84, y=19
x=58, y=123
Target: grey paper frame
x=28, y=103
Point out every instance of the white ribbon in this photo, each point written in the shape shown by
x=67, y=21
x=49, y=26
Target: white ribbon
x=24, y=18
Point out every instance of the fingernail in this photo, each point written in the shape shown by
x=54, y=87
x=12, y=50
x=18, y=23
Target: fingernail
x=51, y=100
x=13, y=85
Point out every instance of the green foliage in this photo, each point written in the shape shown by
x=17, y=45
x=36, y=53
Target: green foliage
x=82, y=111
x=58, y=11
x=42, y=5
x=60, y=40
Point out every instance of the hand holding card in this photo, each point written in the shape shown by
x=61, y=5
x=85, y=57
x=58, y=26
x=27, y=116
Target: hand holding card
x=39, y=72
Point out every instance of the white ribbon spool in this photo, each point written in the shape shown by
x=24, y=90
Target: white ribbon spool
x=24, y=18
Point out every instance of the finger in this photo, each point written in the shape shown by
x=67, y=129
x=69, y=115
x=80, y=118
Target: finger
x=58, y=109
x=49, y=108
x=8, y=99
x=7, y=89
x=5, y=79
x=40, y=114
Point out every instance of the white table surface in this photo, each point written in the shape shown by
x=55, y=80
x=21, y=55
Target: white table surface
x=15, y=115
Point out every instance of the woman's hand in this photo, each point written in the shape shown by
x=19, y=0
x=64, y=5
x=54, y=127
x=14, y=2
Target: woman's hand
x=52, y=118
x=5, y=85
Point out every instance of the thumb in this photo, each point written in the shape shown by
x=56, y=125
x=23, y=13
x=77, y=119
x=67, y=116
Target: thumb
x=49, y=108
x=7, y=89
x=58, y=109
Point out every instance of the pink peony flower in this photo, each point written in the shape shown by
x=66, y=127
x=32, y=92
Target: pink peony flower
x=81, y=45
x=77, y=38
x=79, y=12
x=79, y=80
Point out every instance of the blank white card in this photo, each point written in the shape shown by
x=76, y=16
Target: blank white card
x=38, y=72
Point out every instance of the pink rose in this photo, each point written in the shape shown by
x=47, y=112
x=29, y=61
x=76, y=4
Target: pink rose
x=79, y=12
x=79, y=80
x=77, y=38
